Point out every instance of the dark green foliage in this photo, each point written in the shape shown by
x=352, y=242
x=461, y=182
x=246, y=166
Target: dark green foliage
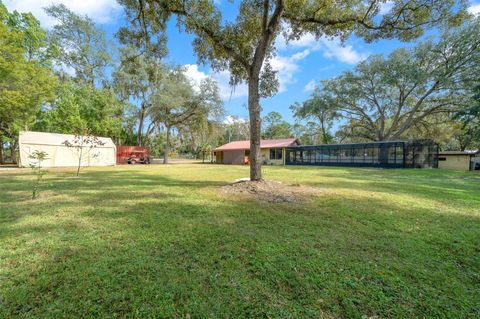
x=26, y=80
x=275, y=127
x=82, y=107
x=469, y=118
x=245, y=45
x=321, y=111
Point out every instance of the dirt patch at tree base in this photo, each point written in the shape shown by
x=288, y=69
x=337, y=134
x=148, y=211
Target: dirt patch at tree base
x=270, y=191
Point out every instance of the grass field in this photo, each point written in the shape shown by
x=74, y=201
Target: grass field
x=161, y=241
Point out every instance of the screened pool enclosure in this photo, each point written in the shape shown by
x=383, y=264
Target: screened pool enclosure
x=396, y=154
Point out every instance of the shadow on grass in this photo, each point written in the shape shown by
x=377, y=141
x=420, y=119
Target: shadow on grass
x=103, y=189
x=428, y=184
x=164, y=247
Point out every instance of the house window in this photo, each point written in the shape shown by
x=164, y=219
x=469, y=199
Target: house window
x=275, y=153
x=442, y=158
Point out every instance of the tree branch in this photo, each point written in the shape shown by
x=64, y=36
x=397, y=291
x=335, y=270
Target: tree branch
x=216, y=38
x=266, y=38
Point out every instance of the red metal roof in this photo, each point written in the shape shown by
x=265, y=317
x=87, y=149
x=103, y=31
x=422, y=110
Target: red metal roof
x=245, y=145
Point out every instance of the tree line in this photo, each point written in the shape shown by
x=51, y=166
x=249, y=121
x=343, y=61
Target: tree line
x=245, y=45
x=72, y=78
x=428, y=91
x=66, y=80
x=431, y=90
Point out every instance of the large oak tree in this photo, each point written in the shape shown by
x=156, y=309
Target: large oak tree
x=245, y=45
x=176, y=103
x=385, y=98
x=136, y=78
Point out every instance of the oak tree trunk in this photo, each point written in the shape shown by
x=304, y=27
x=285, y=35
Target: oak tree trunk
x=255, y=129
x=167, y=147
x=141, y=119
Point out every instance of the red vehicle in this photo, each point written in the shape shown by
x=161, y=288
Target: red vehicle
x=133, y=155
x=139, y=157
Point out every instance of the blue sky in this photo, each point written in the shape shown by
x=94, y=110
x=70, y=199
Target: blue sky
x=300, y=64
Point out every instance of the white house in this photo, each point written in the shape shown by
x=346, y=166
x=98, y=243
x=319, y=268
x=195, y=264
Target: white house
x=60, y=155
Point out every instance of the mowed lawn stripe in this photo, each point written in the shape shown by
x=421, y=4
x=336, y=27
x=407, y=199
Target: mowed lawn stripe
x=162, y=241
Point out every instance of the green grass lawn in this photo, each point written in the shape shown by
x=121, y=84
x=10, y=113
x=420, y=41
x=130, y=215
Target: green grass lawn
x=161, y=241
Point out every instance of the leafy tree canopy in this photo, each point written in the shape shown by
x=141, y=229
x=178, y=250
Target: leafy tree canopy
x=82, y=45
x=80, y=107
x=469, y=120
x=176, y=103
x=245, y=46
x=275, y=127
x=319, y=109
x=384, y=98
x=136, y=78
x=25, y=82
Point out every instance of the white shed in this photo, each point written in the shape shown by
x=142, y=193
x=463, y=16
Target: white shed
x=60, y=155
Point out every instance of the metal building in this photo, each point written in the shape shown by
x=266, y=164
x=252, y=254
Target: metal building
x=59, y=155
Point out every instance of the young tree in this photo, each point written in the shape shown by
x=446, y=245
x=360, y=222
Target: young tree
x=37, y=158
x=245, y=46
x=82, y=145
x=384, y=98
x=83, y=46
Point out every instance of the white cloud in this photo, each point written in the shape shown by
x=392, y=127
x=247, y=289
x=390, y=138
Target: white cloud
x=194, y=75
x=307, y=40
x=65, y=68
x=310, y=86
x=287, y=66
x=386, y=7
x=101, y=11
x=474, y=9
x=229, y=119
x=226, y=91
x=332, y=48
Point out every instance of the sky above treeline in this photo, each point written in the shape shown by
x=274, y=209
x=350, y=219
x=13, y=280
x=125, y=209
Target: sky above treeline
x=300, y=64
